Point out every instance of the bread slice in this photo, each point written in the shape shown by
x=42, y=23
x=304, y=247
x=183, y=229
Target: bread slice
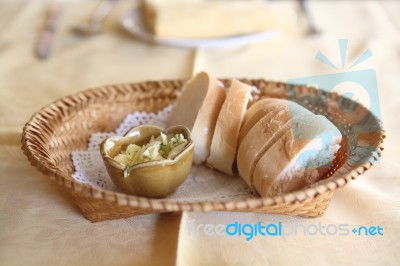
x=264, y=134
x=256, y=112
x=199, y=19
x=299, y=157
x=257, y=105
x=224, y=143
x=197, y=108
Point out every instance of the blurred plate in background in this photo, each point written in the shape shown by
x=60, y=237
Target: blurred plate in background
x=133, y=22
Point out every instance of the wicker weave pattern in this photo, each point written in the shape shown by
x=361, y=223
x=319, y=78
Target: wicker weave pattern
x=65, y=125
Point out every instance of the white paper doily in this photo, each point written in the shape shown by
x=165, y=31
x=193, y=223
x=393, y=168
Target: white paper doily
x=202, y=183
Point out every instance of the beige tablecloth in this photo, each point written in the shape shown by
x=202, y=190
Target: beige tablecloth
x=40, y=226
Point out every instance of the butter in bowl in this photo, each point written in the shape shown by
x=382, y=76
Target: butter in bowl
x=148, y=160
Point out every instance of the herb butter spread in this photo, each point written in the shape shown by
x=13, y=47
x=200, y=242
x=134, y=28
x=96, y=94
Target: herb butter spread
x=161, y=148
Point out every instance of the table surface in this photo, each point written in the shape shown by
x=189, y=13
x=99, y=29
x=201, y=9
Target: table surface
x=40, y=226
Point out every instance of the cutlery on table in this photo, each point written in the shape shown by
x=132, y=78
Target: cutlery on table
x=45, y=39
x=312, y=29
x=93, y=24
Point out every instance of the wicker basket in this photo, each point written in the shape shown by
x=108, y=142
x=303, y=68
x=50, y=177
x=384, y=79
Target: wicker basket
x=66, y=125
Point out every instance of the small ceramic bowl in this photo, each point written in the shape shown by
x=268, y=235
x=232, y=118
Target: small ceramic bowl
x=154, y=179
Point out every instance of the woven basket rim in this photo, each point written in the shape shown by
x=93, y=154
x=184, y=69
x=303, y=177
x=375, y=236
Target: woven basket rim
x=35, y=156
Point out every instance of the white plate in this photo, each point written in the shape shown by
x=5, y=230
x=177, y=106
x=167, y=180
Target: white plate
x=133, y=22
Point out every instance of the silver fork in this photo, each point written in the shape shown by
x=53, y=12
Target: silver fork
x=312, y=29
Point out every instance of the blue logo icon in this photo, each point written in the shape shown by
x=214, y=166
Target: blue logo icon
x=359, y=86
